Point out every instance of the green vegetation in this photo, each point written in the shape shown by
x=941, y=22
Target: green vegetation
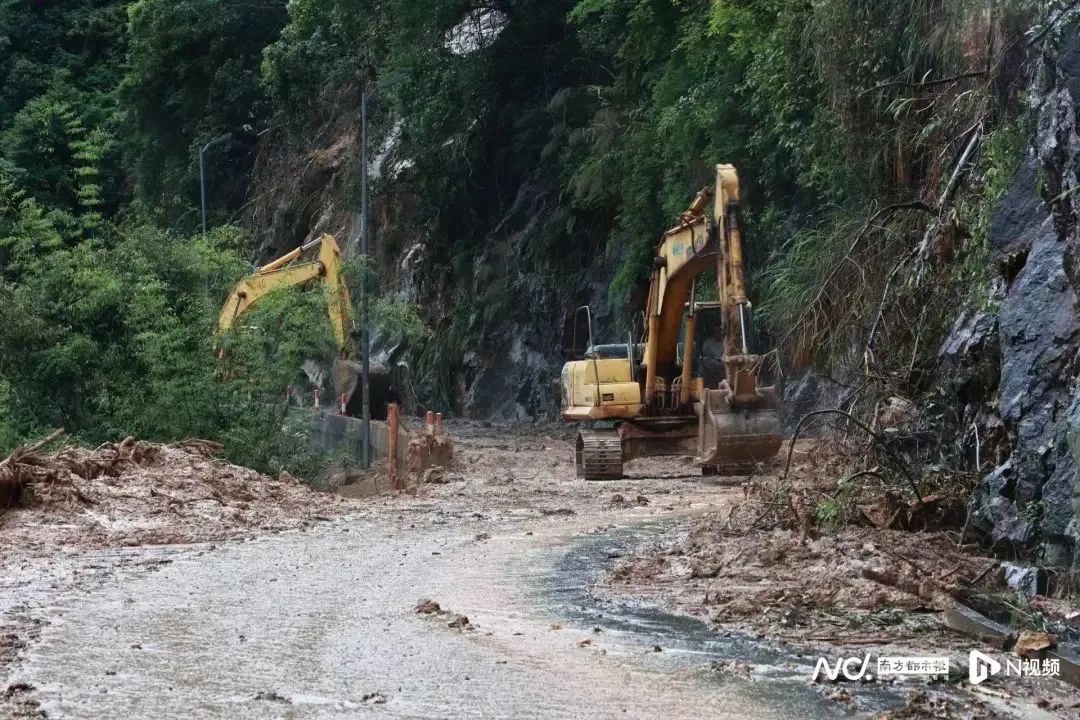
x=192, y=74
x=565, y=131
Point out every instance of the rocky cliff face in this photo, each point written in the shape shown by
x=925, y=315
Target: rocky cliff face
x=523, y=303
x=1032, y=498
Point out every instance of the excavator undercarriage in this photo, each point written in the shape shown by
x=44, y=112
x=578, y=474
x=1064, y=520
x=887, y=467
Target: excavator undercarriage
x=649, y=399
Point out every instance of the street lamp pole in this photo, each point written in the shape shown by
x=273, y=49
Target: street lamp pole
x=365, y=234
x=202, y=172
x=365, y=344
x=202, y=184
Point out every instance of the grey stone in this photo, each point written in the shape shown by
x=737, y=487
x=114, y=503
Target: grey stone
x=1032, y=498
x=806, y=393
x=970, y=356
x=995, y=511
x=524, y=302
x=1027, y=579
x=1038, y=323
x=1068, y=59
x=1019, y=213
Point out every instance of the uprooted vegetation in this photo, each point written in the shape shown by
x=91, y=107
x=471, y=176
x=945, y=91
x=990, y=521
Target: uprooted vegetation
x=140, y=493
x=839, y=541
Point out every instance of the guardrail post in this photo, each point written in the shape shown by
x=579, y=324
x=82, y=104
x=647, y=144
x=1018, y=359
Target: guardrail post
x=392, y=451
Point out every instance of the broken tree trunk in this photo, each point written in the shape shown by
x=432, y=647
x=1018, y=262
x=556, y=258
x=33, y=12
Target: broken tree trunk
x=14, y=469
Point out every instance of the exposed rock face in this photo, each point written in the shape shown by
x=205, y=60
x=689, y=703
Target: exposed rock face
x=971, y=356
x=1033, y=496
x=523, y=304
x=806, y=393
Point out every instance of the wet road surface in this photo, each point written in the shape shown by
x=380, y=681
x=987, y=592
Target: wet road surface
x=321, y=624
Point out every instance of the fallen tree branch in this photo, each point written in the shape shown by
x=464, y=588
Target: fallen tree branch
x=881, y=214
x=13, y=468
x=926, y=83
x=901, y=465
x=1050, y=25
x=907, y=560
x=983, y=574
x=947, y=195
x=27, y=449
x=941, y=597
x=922, y=249
x=868, y=348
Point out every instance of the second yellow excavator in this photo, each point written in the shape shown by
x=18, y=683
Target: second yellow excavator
x=280, y=273
x=294, y=269
x=659, y=402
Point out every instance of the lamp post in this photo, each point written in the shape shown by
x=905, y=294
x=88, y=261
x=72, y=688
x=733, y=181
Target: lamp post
x=202, y=172
x=365, y=339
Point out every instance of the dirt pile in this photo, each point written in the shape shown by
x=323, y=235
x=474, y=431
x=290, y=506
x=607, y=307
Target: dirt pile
x=770, y=576
x=429, y=451
x=135, y=493
x=804, y=556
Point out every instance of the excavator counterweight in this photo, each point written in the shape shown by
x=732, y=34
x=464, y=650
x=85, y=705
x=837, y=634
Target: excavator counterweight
x=658, y=401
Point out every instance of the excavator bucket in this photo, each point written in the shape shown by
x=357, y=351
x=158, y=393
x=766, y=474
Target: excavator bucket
x=732, y=440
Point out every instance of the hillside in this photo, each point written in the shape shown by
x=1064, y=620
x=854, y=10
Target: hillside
x=911, y=212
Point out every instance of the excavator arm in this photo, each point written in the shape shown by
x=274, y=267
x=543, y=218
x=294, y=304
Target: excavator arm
x=685, y=252
x=738, y=422
x=700, y=242
x=280, y=274
x=290, y=270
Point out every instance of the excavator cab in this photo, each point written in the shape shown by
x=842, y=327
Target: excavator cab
x=661, y=404
x=603, y=384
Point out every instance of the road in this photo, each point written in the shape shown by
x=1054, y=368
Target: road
x=321, y=623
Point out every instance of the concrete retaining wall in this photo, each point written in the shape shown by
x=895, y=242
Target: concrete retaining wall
x=331, y=432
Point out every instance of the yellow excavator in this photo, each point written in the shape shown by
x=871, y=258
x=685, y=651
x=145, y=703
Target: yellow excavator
x=280, y=273
x=656, y=400
x=325, y=266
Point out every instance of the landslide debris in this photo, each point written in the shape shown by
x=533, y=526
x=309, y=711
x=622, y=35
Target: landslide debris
x=770, y=575
x=773, y=562
x=135, y=493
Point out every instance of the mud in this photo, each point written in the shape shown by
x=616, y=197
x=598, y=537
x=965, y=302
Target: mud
x=767, y=578
x=766, y=565
x=321, y=621
x=138, y=493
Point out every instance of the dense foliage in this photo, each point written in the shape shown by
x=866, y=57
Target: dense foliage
x=110, y=301
x=618, y=109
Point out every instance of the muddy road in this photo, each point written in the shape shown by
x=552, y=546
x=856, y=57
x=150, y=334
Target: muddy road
x=322, y=623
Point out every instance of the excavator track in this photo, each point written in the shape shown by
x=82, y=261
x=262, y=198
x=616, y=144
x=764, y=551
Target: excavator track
x=598, y=455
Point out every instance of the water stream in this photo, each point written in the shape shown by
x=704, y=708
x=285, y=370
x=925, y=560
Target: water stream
x=779, y=676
